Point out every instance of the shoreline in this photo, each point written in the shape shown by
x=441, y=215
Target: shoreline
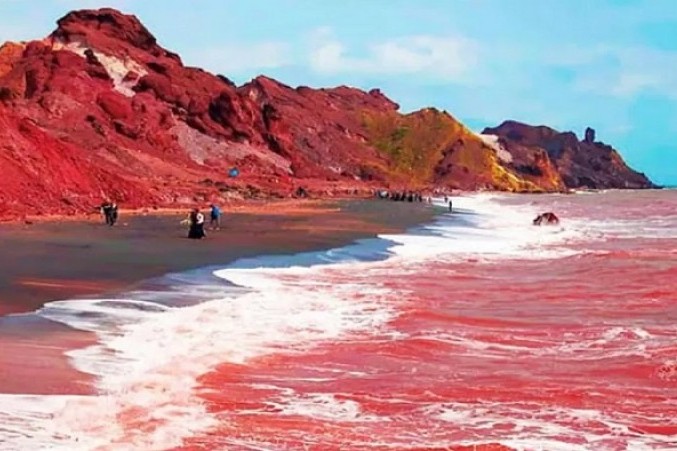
x=71, y=260
x=256, y=205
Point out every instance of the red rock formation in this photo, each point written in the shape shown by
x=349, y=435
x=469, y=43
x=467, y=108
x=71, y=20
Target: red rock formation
x=99, y=109
x=581, y=164
x=531, y=164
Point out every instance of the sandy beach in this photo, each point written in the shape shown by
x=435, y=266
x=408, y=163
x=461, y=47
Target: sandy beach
x=54, y=260
x=61, y=259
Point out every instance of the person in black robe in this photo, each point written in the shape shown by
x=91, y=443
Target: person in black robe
x=107, y=211
x=197, y=225
x=113, y=214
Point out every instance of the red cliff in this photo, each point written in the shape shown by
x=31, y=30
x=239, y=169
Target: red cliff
x=99, y=109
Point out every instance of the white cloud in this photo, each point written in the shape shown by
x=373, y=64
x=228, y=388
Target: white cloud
x=621, y=71
x=630, y=83
x=644, y=68
x=444, y=57
x=235, y=58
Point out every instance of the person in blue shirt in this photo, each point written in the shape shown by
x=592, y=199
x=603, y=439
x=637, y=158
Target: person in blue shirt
x=215, y=217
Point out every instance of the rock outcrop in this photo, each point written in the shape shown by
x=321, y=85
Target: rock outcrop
x=581, y=164
x=589, y=135
x=99, y=109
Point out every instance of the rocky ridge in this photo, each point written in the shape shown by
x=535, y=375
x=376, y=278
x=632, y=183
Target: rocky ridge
x=99, y=109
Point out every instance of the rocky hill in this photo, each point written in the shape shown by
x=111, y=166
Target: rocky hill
x=99, y=109
x=585, y=163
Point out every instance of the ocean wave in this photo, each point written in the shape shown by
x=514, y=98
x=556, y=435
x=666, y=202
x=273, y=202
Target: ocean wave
x=154, y=345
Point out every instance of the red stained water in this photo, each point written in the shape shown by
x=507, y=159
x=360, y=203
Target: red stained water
x=565, y=346
x=569, y=353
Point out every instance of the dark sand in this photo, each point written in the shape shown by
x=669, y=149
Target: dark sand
x=70, y=259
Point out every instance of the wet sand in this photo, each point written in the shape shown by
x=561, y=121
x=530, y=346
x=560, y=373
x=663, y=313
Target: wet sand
x=68, y=259
x=57, y=260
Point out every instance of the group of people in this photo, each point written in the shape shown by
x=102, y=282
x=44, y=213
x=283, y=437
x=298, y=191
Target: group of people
x=109, y=210
x=450, y=203
x=410, y=196
x=196, y=221
x=401, y=196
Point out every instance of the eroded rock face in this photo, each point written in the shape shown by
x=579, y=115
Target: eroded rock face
x=581, y=164
x=10, y=53
x=109, y=30
x=99, y=109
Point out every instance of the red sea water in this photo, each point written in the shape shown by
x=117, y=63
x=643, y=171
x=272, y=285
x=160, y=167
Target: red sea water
x=479, y=331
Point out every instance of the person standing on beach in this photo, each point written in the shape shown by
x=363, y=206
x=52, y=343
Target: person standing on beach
x=107, y=212
x=197, y=225
x=450, y=206
x=215, y=217
x=113, y=214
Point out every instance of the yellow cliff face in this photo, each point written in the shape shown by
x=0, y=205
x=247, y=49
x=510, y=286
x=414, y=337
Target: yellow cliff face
x=413, y=143
x=431, y=147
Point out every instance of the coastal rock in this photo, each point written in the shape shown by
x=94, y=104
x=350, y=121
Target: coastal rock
x=589, y=135
x=10, y=53
x=581, y=164
x=99, y=109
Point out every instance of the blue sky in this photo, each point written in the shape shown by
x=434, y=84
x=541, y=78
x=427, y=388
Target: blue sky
x=608, y=64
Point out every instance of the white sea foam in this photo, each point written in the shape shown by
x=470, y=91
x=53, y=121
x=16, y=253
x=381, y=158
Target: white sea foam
x=548, y=428
x=322, y=406
x=150, y=355
x=482, y=229
x=606, y=343
x=649, y=227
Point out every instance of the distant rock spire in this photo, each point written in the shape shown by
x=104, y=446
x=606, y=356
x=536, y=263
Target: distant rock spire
x=589, y=135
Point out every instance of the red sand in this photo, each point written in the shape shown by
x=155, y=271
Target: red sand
x=47, y=371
